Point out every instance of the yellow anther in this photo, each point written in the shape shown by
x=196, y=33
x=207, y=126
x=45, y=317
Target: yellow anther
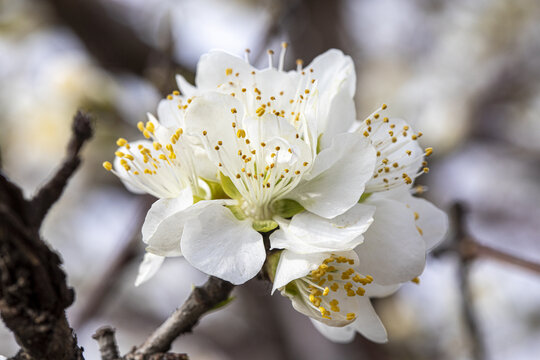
x=241, y=133
x=169, y=97
x=334, y=287
x=176, y=93
x=416, y=280
x=366, y=134
x=416, y=216
x=121, y=142
x=107, y=165
x=420, y=231
x=157, y=145
x=162, y=157
x=326, y=291
x=119, y=154
x=429, y=151
x=351, y=293
x=146, y=134
x=140, y=126
x=129, y=157
x=204, y=132
x=384, y=106
x=260, y=111
x=351, y=316
x=360, y=291
x=233, y=110
x=228, y=71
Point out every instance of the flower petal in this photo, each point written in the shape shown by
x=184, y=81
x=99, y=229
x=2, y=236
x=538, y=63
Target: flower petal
x=431, y=222
x=336, y=83
x=393, y=251
x=308, y=233
x=375, y=290
x=337, y=178
x=292, y=266
x=164, y=236
x=148, y=268
x=344, y=334
x=218, y=244
x=162, y=209
x=399, y=156
x=185, y=87
x=212, y=70
x=367, y=323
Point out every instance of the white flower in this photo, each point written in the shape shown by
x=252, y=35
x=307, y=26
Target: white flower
x=277, y=143
x=390, y=249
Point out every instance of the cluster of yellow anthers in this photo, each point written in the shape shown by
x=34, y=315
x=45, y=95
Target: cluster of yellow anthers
x=149, y=163
x=336, y=275
x=387, y=132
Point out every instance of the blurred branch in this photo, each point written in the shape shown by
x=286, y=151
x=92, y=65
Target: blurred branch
x=104, y=286
x=33, y=289
x=467, y=299
x=113, y=44
x=468, y=247
x=116, y=46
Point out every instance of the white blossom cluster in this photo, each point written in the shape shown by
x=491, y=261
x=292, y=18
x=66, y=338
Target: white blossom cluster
x=247, y=152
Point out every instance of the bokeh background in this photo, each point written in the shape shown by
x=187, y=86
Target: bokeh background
x=464, y=72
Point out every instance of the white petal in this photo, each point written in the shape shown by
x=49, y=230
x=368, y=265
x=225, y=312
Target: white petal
x=395, y=145
x=165, y=240
x=212, y=70
x=343, y=335
x=432, y=222
x=211, y=114
x=185, y=87
x=375, y=290
x=336, y=83
x=368, y=323
x=165, y=184
x=148, y=268
x=308, y=233
x=393, y=251
x=338, y=176
x=169, y=116
x=162, y=209
x=292, y=266
x=218, y=244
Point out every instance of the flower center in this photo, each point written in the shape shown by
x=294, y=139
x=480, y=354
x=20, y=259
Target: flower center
x=336, y=278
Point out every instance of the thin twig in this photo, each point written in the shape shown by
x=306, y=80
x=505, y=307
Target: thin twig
x=107, y=343
x=201, y=300
x=53, y=189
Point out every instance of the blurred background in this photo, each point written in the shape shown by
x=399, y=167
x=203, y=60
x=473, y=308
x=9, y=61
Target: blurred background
x=464, y=72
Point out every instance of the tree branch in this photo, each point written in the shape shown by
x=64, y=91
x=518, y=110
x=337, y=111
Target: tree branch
x=201, y=300
x=33, y=289
x=53, y=189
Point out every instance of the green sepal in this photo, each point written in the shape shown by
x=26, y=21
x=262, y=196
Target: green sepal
x=237, y=212
x=319, y=143
x=228, y=187
x=286, y=208
x=364, y=197
x=197, y=198
x=223, y=303
x=216, y=190
x=264, y=225
x=291, y=289
x=271, y=264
